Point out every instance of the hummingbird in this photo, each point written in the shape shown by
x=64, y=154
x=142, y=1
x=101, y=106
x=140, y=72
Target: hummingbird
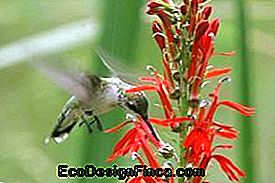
x=92, y=96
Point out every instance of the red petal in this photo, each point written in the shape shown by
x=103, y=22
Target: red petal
x=152, y=159
x=227, y=134
x=228, y=167
x=244, y=110
x=148, y=79
x=116, y=128
x=168, y=122
x=135, y=180
x=149, y=180
x=141, y=88
x=129, y=135
x=229, y=54
x=223, y=146
x=225, y=127
x=217, y=72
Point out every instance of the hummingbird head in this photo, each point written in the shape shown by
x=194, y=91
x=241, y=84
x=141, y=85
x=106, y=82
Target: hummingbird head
x=138, y=103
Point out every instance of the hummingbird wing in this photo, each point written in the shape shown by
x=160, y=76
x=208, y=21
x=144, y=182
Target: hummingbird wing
x=82, y=86
x=119, y=70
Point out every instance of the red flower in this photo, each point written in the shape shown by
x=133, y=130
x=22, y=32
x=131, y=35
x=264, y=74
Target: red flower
x=186, y=38
x=135, y=139
x=171, y=122
x=216, y=73
x=199, y=141
x=161, y=86
x=158, y=35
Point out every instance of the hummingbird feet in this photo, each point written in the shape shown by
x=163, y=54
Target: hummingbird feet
x=98, y=123
x=89, y=119
x=87, y=124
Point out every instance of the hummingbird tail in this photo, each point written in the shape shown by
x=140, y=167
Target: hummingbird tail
x=60, y=134
x=66, y=121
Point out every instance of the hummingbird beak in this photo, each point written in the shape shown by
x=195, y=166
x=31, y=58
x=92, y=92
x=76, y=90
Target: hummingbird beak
x=151, y=128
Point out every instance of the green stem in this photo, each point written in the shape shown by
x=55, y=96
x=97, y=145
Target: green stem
x=246, y=136
x=182, y=135
x=183, y=108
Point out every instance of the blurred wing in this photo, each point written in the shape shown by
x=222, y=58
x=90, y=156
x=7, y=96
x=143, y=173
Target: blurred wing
x=119, y=70
x=79, y=85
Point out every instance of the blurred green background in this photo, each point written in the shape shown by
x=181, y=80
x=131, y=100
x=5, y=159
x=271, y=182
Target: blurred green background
x=69, y=30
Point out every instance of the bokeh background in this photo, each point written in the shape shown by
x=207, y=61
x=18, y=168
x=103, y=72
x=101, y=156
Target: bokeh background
x=70, y=30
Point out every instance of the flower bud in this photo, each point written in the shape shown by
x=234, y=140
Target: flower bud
x=215, y=23
x=201, y=29
x=158, y=35
x=207, y=10
x=153, y=7
x=183, y=9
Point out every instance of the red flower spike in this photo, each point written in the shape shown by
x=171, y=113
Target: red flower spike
x=171, y=36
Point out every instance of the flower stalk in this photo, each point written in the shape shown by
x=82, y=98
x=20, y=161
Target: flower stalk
x=185, y=35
